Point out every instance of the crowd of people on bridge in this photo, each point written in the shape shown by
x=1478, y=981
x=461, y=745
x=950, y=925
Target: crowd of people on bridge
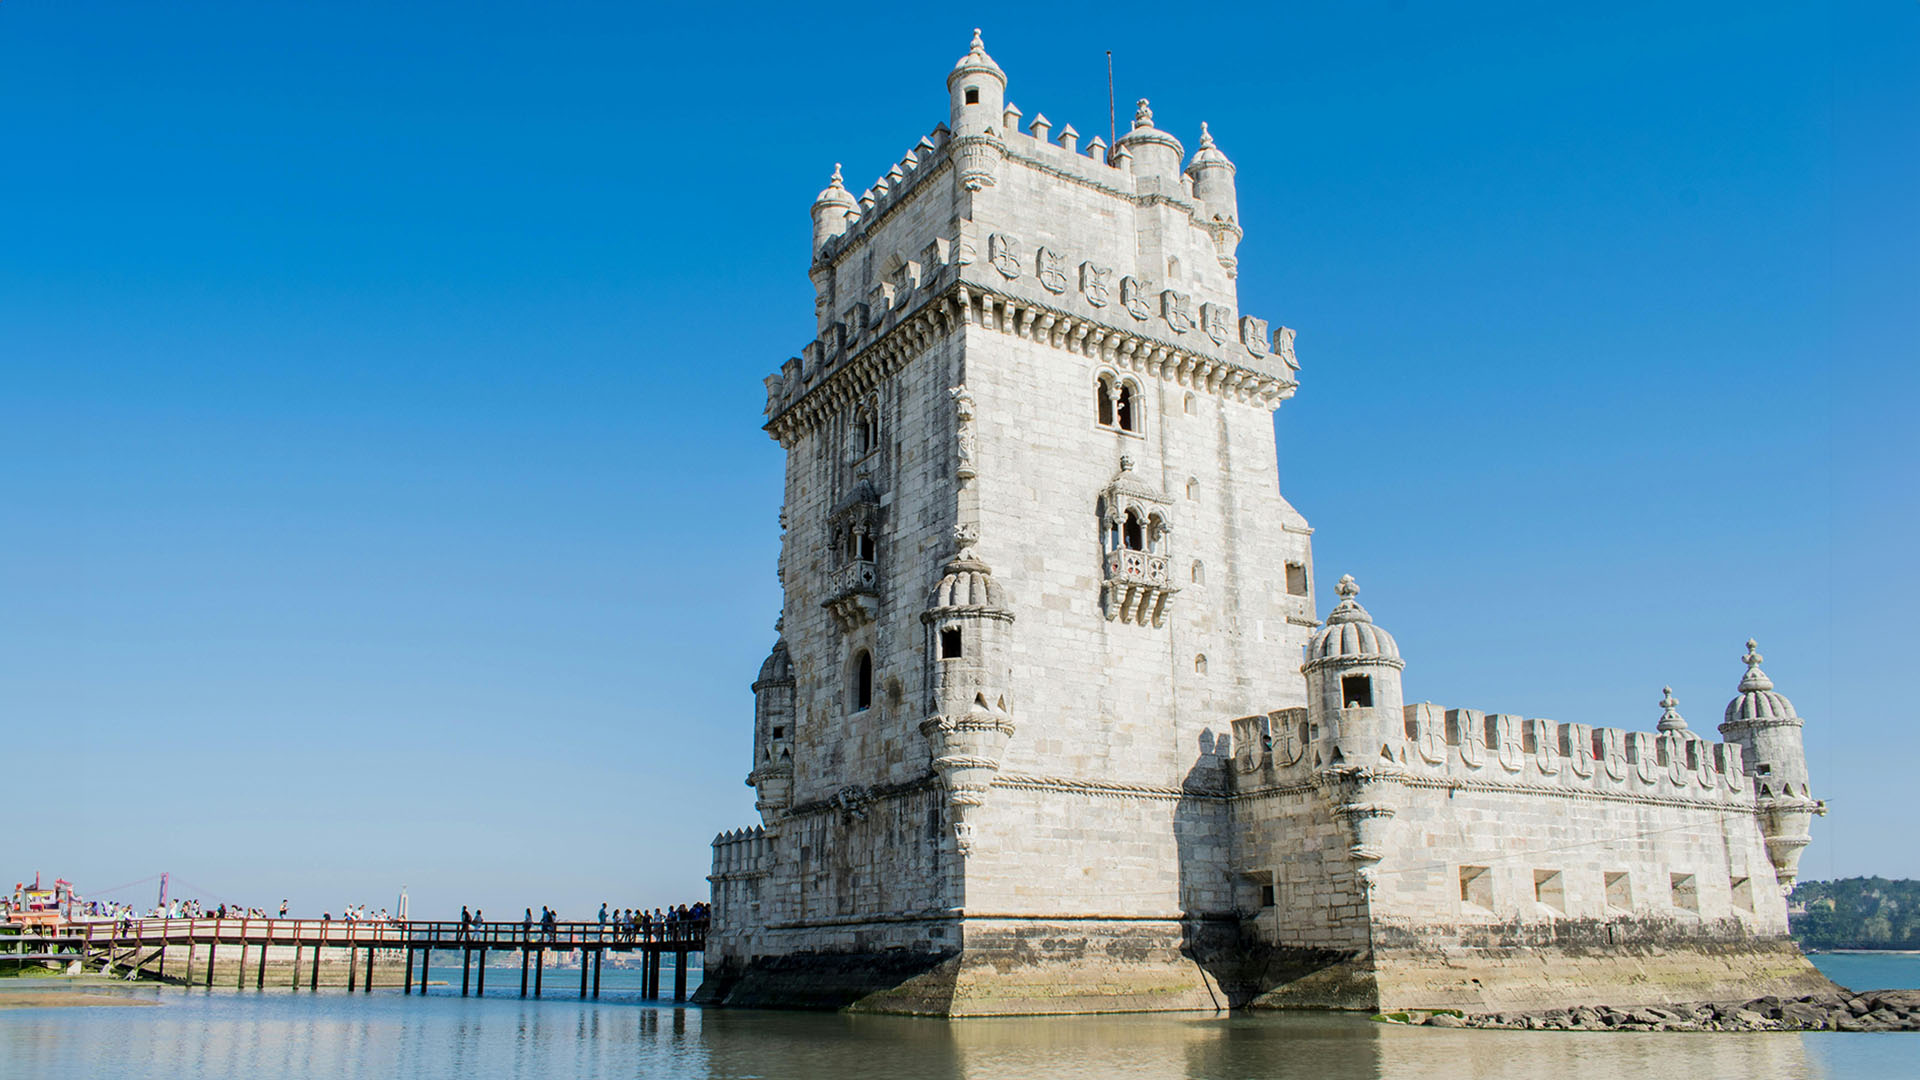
x=629, y=924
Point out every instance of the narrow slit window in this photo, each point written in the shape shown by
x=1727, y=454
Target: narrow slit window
x=1124, y=410
x=863, y=681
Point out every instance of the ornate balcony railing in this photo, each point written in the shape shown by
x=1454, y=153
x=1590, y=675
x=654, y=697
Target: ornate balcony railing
x=853, y=593
x=1138, y=587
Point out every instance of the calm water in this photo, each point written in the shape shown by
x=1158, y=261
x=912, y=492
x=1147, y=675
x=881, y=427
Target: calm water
x=274, y=1035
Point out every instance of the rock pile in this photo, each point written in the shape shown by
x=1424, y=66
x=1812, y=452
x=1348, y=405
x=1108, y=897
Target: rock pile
x=1877, y=1010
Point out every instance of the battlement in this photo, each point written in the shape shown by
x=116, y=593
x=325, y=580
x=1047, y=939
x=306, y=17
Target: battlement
x=1474, y=748
x=739, y=853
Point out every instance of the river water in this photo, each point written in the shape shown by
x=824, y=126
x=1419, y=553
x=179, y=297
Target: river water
x=277, y=1035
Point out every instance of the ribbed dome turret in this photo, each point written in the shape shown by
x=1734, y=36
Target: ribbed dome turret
x=1350, y=634
x=835, y=193
x=779, y=665
x=1757, y=699
x=968, y=583
x=1208, y=154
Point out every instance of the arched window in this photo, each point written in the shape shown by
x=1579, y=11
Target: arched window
x=866, y=433
x=1124, y=410
x=1103, y=407
x=862, y=545
x=1189, y=404
x=1133, y=533
x=1200, y=664
x=1156, y=533
x=1193, y=488
x=1199, y=573
x=863, y=681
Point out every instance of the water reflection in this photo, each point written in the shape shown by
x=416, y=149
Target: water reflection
x=251, y=1036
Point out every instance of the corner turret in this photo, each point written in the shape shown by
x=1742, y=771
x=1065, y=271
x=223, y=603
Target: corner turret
x=1152, y=154
x=772, y=775
x=1212, y=176
x=978, y=89
x=970, y=675
x=1353, y=681
x=831, y=210
x=1763, y=722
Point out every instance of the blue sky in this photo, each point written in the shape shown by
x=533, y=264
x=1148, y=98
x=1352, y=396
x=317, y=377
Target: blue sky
x=384, y=499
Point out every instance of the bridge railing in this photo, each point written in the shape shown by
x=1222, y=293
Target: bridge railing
x=376, y=934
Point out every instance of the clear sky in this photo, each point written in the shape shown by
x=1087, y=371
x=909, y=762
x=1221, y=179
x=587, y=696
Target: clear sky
x=384, y=499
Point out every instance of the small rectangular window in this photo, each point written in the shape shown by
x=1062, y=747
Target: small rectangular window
x=1743, y=894
x=1686, y=893
x=950, y=643
x=1548, y=890
x=1476, y=887
x=1356, y=691
x=779, y=732
x=973, y=95
x=1266, y=896
x=1619, y=891
x=1296, y=579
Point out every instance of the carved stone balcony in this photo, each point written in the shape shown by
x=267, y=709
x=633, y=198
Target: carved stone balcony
x=853, y=594
x=1138, y=588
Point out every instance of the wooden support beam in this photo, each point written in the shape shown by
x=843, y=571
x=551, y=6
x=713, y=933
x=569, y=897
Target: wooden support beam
x=297, y=950
x=583, y=973
x=680, y=975
x=466, y=963
x=407, y=987
x=599, y=956
x=539, y=969
x=192, y=946
x=480, y=983
x=212, y=947
x=313, y=977
x=260, y=977
x=241, y=982
x=426, y=958
x=369, y=987
x=524, y=955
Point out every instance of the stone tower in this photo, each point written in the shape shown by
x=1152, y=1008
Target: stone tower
x=1035, y=556
x=1050, y=725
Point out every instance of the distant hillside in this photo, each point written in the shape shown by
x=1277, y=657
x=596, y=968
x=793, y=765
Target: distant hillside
x=1856, y=913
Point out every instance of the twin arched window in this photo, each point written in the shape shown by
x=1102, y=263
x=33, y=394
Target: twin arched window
x=1132, y=532
x=1117, y=404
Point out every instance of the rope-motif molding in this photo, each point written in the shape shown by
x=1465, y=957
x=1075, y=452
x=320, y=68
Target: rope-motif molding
x=1589, y=795
x=1104, y=788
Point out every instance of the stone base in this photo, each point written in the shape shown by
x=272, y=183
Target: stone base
x=1551, y=977
x=1005, y=967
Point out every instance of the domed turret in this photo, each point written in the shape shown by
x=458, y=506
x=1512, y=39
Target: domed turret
x=970, y=714
x=1670, y=718
x=1213, y=185
x=830, y=211
x=772, y=775
x=1154, y=154
x=1764, y=724
x=978, y=89
x=1353, y=679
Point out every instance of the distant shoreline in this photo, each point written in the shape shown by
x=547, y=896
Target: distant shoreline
x=1864, y=952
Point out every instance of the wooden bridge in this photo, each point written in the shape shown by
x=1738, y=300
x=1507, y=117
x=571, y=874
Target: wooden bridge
x=140, y=947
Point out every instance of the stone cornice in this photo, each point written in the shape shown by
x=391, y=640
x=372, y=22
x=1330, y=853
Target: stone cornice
x=963, y=303
x=1105, y=789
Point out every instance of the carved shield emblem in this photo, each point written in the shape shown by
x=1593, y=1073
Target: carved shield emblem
x=1094, y=283
x=1051, y=269
x=1133, y=297
x=1253, y=334
x=1579, y=748
x=1217, y=321
x=1546, y=746
x=1641, y=754
x=1613, y=752
x=1289, y=735
x=1283, y=344
x=1466, y=729
x=1512, y=742
x=1001, y=250
x=1177, y=309
x=1430, y=734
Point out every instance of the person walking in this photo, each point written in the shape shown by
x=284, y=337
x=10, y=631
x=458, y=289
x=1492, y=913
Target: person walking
x=603, y=918
x=283, y=909
x=466, y=922
x=526, y=926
